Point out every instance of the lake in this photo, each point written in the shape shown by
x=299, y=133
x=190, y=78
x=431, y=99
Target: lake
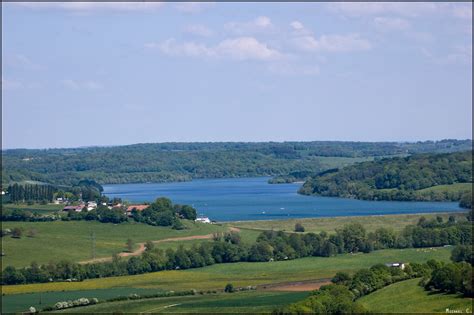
x=254, y=199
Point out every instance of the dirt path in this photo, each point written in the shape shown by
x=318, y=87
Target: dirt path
x=296, y=286
x=141, y=246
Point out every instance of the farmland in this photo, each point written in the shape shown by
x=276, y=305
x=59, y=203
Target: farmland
x=242, y=302
x=215, y=277
x=243, y=273
x=412, y=298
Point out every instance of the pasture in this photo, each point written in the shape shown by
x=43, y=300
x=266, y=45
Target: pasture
x=412, y=298
x=72, y=240
x=330, y=224
x=38, y=208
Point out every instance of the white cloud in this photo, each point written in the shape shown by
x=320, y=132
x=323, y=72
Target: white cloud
x=259, y=24
x=193, y=7
x=297, y=25
x=241, y=48
x=92, y=6
x=332, y=43
x=391, y=24
x=174, y=48
x=199, y=30
x=78, y=85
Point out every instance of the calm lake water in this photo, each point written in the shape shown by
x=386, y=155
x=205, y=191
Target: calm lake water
x=255, y=199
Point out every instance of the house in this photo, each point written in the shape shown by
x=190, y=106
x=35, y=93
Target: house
x=396, y=265
x=203, y=220
x=75, y=208
x=91, y=205
x=137, y=207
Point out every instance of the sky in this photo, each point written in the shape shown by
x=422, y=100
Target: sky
x=85, y=74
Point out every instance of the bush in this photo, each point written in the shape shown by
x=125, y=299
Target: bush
x=229, y=288
x=299, y=227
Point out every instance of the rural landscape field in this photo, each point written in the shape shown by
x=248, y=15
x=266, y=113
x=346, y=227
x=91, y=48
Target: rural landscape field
x=227, y=158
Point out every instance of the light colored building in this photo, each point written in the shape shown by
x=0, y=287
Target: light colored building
x=396, y=265
x=203, y=220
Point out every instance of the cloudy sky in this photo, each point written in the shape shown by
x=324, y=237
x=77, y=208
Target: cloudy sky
x=79, y=74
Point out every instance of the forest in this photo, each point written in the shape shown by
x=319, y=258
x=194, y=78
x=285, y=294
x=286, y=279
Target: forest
x=165, y=162
x=399, y=178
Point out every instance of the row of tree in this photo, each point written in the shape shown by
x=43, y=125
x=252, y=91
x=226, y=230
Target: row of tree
x=29, y=192
x=87, y=190
x=270, y=245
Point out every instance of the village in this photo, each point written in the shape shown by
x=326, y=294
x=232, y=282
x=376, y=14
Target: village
x=116, y=204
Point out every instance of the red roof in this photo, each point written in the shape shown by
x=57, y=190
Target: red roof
x=138, y=207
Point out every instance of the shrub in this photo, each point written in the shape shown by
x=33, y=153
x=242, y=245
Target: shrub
x=299, y=227
x=229, y=288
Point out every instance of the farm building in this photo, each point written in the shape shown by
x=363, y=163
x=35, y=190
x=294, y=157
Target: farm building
x=396, y=265
x=75, y=208
x=203, y=220
x=137, y=207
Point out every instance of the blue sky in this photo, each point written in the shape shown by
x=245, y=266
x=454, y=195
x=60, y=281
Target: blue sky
x=80, y=74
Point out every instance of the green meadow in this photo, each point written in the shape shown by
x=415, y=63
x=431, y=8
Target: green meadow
x=38, y=208
x=371, y=223
x=72, y=240
x=408, y=297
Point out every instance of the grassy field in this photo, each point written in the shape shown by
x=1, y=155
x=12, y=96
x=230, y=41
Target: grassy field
x=33, y=208
x=371, y=223
x=242, y=302
x=242, y=274
x=448, y=188
x=408, y=297
x=72, y=240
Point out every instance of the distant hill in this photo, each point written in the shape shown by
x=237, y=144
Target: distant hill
x=164, y=162
x=439, y=177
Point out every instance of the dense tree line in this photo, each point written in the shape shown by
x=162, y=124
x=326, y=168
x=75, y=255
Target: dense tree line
x=164, y=162
x=84, y=189
x=269, y=246
x=29, y=192
x=397, y=178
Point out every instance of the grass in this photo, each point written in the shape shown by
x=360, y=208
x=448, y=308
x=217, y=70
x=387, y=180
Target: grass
x=71, y=240
x=215, y=277
x=408, y=297
x=448, y=188
x=371, y=223
x=38, y=208
x=242, y=302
